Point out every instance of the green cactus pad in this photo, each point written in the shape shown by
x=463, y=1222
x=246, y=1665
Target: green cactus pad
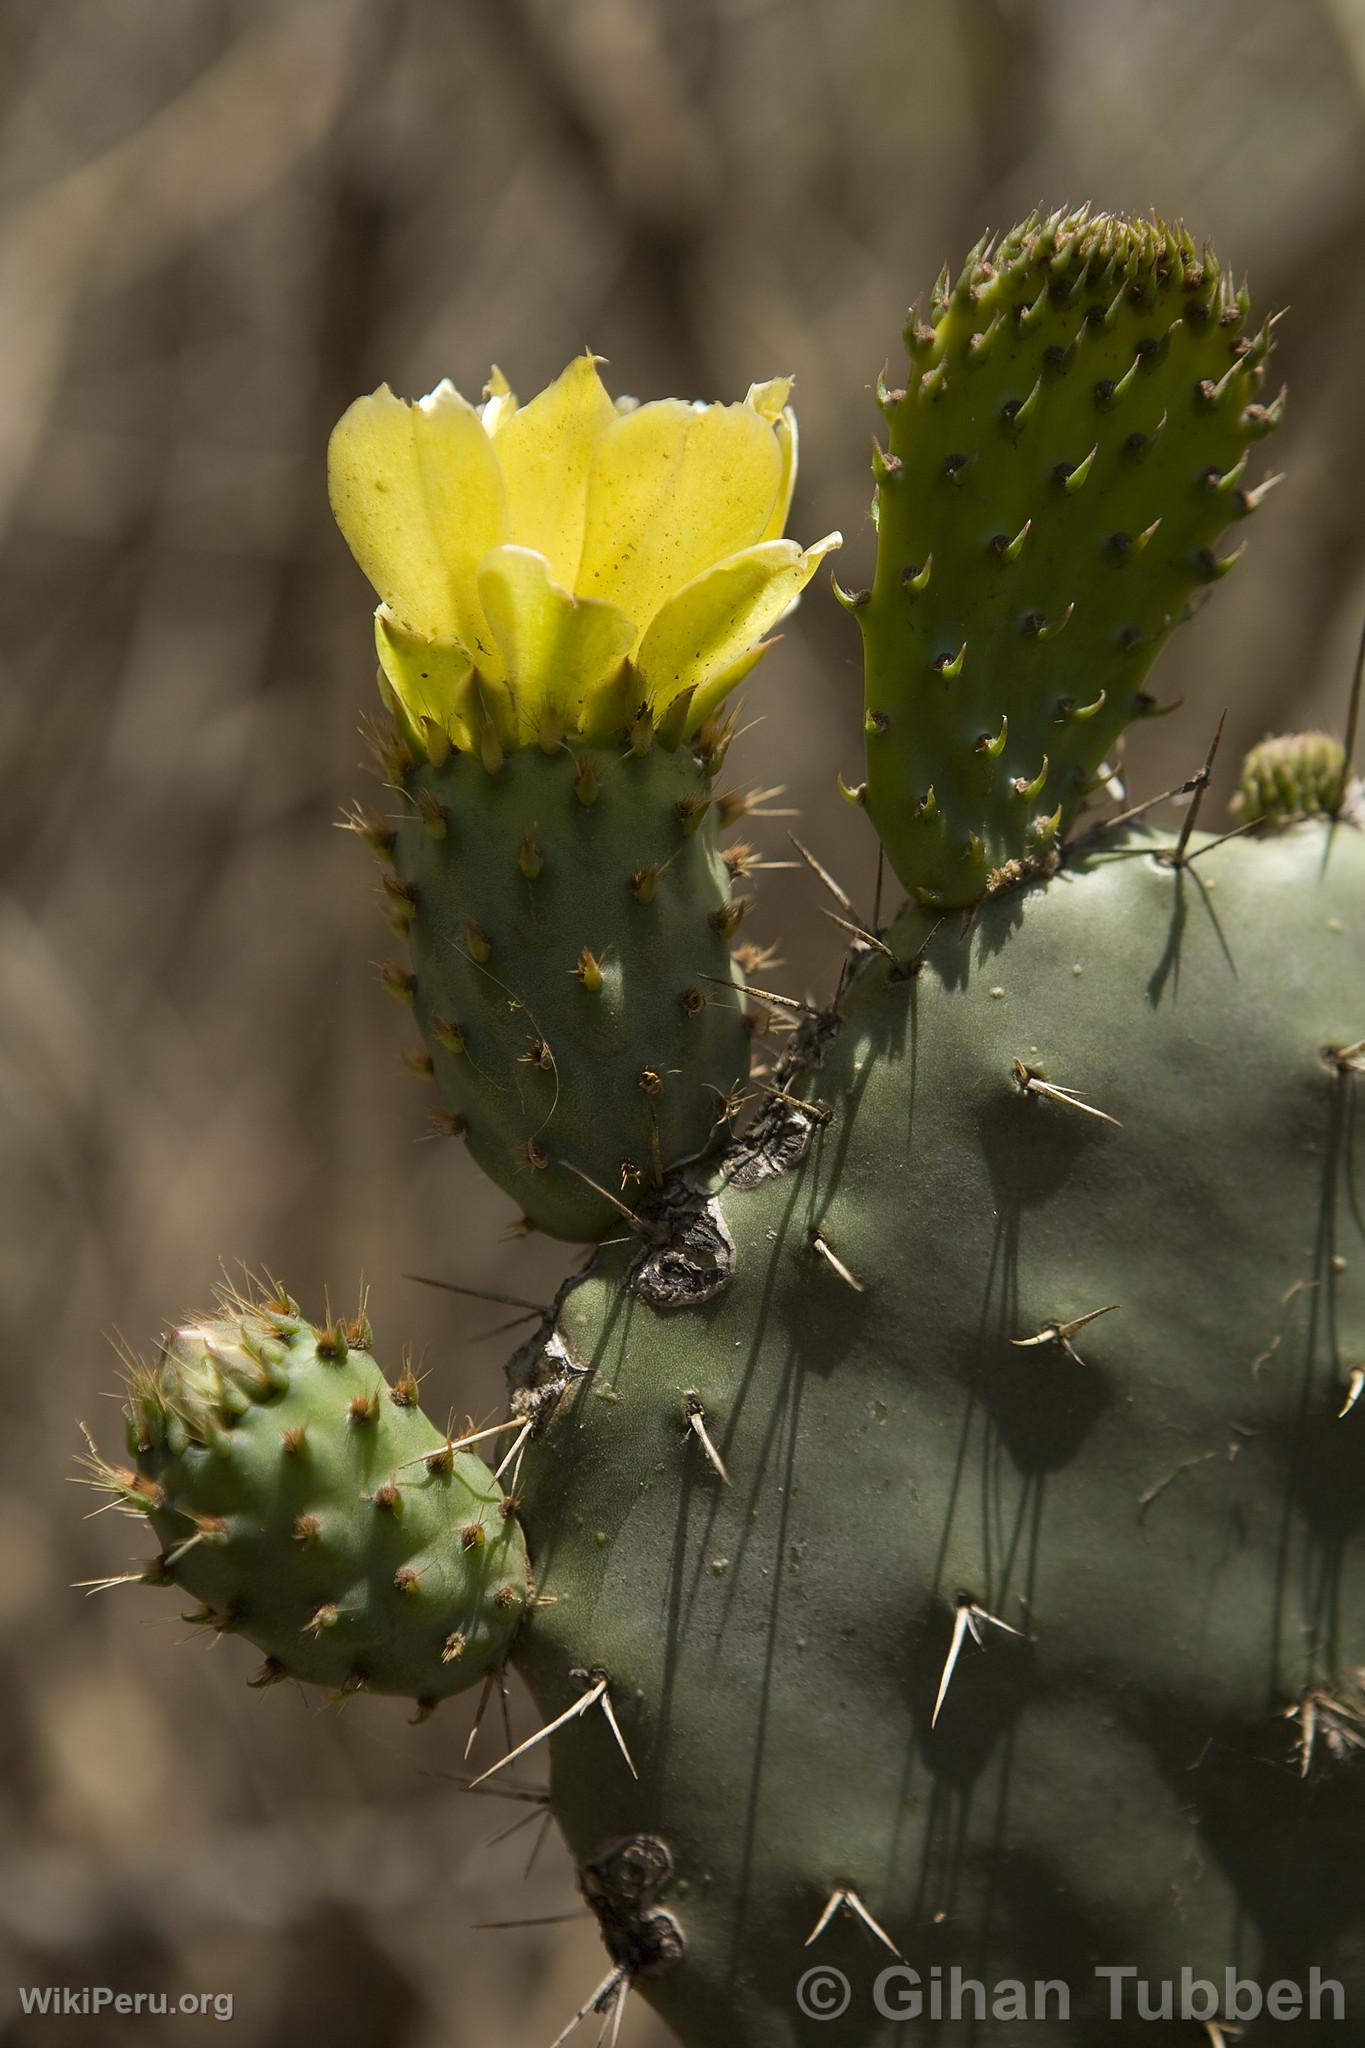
x=1151, y=1516
x=1069, y=446
x=569, y=918
x=313, y=1508
x=1292, y=775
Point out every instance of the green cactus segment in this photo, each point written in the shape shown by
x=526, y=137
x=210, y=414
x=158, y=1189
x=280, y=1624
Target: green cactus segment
x=313, y=1508
x=570, y=919
x=1152, y=1518
x=1067, y=451
x=1292, y=775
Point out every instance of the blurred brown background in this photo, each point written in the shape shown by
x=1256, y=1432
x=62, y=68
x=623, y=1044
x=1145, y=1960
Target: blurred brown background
x=219, y=220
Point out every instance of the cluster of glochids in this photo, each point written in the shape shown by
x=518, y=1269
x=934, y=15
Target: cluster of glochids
x=1037, y=1137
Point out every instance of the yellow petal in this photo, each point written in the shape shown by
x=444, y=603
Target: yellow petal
x=463, y=487
x=417, y=495
x=377, y=499
x=674, y=488
x=784, y=429
x=719, y=686
x=499, y=402
x=769, y=400
x=706, y=627
x=558, y=649
x=546, y=451
x=429, y=677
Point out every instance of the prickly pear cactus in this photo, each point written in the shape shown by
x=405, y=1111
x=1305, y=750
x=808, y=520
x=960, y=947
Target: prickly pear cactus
x=947, y=1500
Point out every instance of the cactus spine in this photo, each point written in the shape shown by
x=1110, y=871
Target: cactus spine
x=966, y=1563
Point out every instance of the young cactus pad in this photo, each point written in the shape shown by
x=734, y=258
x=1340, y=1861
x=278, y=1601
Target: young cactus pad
x=311, y=1506
x=1070, y=444
x=570, y=589
x=571, y=971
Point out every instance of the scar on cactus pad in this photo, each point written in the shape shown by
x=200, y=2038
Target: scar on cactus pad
x=570, y=591
x=960, y=1464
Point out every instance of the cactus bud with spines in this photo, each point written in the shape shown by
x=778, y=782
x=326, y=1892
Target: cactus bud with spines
x=569, y=590
x=1069, y=446
x=1292, y=775
x=312, y=1507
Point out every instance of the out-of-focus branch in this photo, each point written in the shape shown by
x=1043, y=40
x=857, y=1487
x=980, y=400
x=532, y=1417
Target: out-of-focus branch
x=214, y=149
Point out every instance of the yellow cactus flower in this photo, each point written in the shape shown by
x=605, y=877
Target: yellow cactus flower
x=550, y=569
